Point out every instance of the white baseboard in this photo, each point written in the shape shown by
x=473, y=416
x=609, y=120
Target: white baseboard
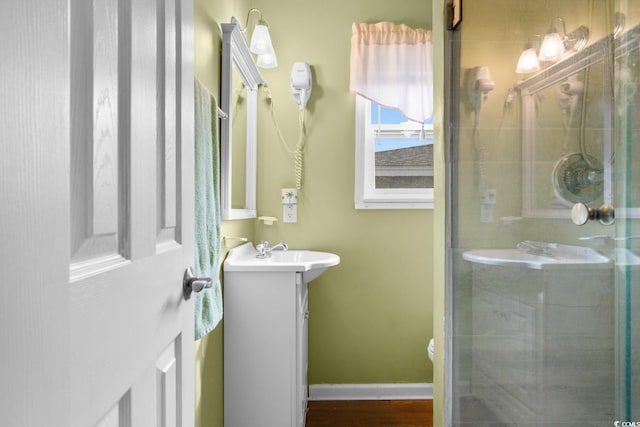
x=403, y=391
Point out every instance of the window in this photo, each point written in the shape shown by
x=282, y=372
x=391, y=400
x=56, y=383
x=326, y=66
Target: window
x=394, y=159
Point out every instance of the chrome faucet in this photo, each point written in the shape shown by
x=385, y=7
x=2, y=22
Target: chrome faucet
x=535, y=248
x=264, y=250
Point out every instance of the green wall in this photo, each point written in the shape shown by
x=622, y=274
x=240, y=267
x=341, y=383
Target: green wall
x=208, y=353
x=371, y=316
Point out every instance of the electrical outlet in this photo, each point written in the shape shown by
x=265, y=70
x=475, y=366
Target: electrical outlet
x=488, y=197
x=289, y=213
x=486, y=214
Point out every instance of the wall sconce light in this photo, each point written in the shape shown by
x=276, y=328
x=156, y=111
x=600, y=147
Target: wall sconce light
x=528, y=61
x=261, y=42
x=554, y=46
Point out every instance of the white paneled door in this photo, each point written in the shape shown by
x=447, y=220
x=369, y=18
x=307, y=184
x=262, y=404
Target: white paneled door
x=96, y=213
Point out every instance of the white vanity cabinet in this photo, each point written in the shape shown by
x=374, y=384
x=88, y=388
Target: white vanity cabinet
x=542, y=343
x=266, y=316
x=265, y=348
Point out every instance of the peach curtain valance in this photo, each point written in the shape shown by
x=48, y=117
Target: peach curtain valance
x=392, y=64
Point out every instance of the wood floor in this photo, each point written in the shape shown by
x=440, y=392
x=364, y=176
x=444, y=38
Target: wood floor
x=370, y=413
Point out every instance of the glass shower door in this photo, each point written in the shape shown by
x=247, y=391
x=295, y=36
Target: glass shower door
x=542, y=310
x=627, y=180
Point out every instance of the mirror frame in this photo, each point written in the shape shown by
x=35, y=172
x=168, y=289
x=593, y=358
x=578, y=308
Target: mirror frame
x=554, y=74
x=235, y=52
x=624, y=44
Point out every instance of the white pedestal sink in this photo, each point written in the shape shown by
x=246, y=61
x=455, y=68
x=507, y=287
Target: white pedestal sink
x=542, y=328
x=265, y=335
x=559, y=256
x=311, y=263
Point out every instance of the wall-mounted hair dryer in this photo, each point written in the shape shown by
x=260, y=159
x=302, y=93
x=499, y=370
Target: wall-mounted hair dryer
x=569, y=94
x=301, y=83
x=479, y=86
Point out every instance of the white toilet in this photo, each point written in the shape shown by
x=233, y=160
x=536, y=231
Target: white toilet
x=430, y=349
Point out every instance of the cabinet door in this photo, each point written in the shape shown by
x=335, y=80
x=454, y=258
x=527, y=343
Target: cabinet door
x=504, y=366
x=260, y=350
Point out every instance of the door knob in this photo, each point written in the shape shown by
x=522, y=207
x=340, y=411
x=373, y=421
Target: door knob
x=581, y=214
x=191, y=283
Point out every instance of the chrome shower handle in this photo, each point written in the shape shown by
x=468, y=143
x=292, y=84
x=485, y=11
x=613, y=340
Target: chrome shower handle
x=581, y=214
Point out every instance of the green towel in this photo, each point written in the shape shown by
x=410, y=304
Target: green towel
x=208, y=302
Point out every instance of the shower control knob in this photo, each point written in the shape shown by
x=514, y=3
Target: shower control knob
x=581, y=214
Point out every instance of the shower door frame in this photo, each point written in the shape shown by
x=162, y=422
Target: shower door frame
x=451, y=134
x=624, y=274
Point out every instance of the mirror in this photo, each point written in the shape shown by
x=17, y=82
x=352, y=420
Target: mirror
x=238, y=132
x=567, y=130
